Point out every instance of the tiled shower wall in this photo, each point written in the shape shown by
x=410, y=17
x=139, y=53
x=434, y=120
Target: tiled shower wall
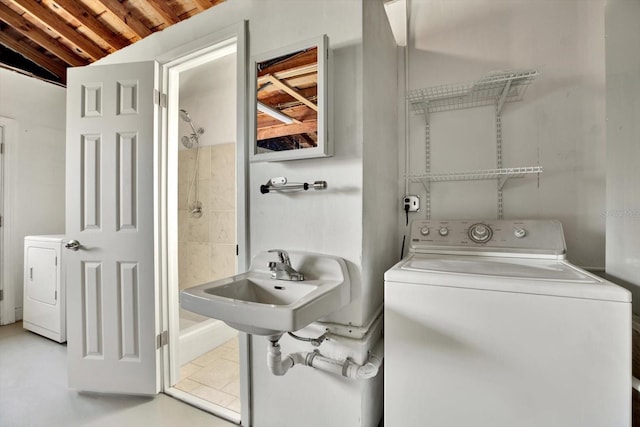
x=207, y=245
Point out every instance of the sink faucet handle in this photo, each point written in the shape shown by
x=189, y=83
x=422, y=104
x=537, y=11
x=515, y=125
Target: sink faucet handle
x=284, y=256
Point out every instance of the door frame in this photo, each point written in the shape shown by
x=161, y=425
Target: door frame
x=172, y=63
x=7, y=258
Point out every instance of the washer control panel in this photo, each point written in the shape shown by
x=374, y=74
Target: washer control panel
x=513, y=236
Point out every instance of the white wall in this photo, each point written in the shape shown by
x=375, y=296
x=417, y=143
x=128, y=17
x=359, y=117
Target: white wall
x=559, y=124
x=623, y=144
x=35, y=156
x=381, y=246
x=331, y=221
x=208, y=93
x=207, y=245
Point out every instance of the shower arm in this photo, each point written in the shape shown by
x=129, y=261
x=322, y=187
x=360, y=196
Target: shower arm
x=196, y=132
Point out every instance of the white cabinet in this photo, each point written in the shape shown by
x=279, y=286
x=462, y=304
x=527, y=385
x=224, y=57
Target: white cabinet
x=44, y=287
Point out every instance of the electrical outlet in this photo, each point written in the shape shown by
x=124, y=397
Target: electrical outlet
x=413, y=202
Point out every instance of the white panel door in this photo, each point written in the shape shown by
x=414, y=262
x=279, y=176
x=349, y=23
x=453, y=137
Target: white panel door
x=112, y=297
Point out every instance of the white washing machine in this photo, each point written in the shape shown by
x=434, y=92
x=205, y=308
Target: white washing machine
x=44, y=307
x=487, y=325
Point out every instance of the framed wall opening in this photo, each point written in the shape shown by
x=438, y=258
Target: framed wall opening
x=204, y=217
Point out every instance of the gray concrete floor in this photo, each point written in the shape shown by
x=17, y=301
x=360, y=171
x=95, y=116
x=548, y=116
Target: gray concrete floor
x=33, y=392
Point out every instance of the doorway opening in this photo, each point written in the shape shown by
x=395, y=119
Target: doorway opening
x=206, y=216
x=8, y=312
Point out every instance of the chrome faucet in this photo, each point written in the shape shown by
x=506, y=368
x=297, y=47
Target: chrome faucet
x=282, y=270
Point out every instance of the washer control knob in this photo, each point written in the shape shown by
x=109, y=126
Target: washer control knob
x=519, y=233
x=424, y=231
x=443, y=231
x=480, y=233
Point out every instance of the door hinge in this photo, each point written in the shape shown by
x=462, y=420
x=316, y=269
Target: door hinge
x=2, y=148
x=56, y=262
x=162, y=339
x=1, y=220
x=1, y=294
x=160, y=98
x=237, y=250
x=55, y=296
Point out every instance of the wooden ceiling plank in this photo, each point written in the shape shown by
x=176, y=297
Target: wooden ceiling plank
x=284, y=130
x=164, y=11
x=292, y=92
x=297, y=72
x=301, y=113
x=39, y=37
x=53, y=21
x=118, y=10
x=34, y=55
x=302, y=59
x=202, y=5
x=86, y=18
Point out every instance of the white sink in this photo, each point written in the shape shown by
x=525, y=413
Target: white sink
x=255, y=303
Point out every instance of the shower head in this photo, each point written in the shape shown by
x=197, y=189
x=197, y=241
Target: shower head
x=188, y=141
x=185, y=116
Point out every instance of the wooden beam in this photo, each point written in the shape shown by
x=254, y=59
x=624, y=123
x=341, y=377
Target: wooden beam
x=86, y=18
x=39, y=37
x=286, y=88
x=311, y=69
x=166, y=13
x=53, y=21
x=299, y=83
x=309, y=126
x=34, y=55
x=278, y=98
x=124, y=15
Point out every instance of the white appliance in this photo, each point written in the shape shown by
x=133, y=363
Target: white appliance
x=44, y=310
x=487, y=325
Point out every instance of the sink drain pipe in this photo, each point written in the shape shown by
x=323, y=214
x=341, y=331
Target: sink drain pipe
x=279, y=365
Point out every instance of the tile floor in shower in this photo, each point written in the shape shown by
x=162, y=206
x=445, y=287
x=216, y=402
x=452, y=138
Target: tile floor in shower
x=214, y=376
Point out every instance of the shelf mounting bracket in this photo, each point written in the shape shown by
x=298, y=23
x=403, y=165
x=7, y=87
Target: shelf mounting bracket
x=425, y=108
x=503, y=96
x=501, y=181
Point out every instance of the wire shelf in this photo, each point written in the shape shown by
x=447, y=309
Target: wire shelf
x=502, y=175
x=496, y=88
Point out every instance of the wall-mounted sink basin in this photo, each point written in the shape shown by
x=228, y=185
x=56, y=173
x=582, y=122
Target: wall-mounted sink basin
x=255, y=303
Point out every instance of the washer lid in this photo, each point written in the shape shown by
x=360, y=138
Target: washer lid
x=538, y=269
x=531, y=276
